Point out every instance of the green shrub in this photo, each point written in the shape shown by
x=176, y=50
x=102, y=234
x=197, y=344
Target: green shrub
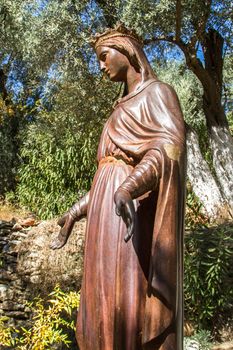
x=58, y=164
x=49, y=326
x=202, y=339
x=194, y=216
x=58, y=155
x=208, y=275
x=6, y=333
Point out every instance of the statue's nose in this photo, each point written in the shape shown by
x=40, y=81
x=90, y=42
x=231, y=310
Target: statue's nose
x=102, y=66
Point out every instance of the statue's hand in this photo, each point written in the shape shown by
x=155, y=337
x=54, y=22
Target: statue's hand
x=67, y=223
x=125, y=209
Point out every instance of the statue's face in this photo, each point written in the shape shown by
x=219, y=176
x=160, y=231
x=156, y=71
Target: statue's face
x=113, y=63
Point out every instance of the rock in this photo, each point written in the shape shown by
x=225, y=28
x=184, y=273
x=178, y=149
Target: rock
x=224, y=346
x=13, y=306
x=5, y=231
x=28, y=222
x=17, y=227
x=30, y=268
x=19, y=235
x=16, y=315
x=44, y=267
x=6, y=224
x=191, y=345
x=4, y=290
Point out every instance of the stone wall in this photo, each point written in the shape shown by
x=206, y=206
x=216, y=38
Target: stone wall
x=30, y=268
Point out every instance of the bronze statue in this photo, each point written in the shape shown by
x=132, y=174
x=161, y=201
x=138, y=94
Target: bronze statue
x=131, y=296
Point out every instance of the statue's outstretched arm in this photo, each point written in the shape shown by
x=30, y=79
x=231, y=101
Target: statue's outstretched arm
x=79, y=209
x=67, y=221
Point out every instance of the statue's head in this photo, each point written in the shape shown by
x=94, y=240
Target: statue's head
x=119, y=47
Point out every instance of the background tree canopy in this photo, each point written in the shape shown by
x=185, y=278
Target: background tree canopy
x=55, y=101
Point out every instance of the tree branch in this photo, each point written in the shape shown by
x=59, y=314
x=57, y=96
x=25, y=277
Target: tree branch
x=211, y=95
x=3, y=90
x=168, y=38
x=109, y=11
x=178, y=19
x=201, y=24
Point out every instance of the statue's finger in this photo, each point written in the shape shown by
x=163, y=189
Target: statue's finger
x=119, y=208
x=53, y=244
x=117, y=211
x=130, y=211
x=130, y=229
x=129, y=232
x=130, y=219
x=127, y=238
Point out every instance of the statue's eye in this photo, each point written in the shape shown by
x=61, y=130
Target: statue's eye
x=103, y=56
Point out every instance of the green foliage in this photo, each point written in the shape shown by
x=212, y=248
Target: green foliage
x=59, y=163
x=59, y=149
x=6, y=333
x=48, y=323
x=49, y=39
x=228, y=87
x=202, y=338
x=208, y=275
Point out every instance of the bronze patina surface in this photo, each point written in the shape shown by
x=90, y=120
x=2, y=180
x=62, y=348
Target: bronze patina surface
x=131, y=296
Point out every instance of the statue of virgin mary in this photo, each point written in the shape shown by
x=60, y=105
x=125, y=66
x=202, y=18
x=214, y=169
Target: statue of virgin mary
x=131, y=295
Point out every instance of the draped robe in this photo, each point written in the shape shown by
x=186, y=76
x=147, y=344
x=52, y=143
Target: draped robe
x=131, y=295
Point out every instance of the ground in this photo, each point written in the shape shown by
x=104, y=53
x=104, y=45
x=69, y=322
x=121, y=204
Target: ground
x=8, y=212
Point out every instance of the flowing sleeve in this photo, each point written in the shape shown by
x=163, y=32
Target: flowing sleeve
x=79, y=209
x=145, y=175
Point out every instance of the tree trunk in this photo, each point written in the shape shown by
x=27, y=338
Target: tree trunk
x=221, y=142
x=9, y=130
x=202, y=181
x=222, y=151
x=221, y=145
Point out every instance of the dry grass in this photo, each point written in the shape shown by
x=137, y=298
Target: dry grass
x=8, y=212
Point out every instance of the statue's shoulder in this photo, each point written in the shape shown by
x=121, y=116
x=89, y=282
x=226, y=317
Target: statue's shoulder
x=161, y=88
x=160, y=93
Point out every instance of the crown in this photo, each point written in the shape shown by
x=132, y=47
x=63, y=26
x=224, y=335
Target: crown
x=118, y=31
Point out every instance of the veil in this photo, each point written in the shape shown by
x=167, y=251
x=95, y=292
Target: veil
x=131, y=48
